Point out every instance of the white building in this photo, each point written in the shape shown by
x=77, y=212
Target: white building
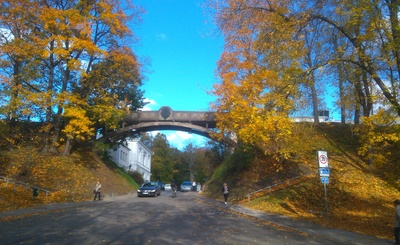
x=133, y=157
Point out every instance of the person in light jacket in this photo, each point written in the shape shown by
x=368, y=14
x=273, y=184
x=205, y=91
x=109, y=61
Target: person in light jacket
x=97, y=191
x=225, y=191
x=397, y=222
x=194, y=186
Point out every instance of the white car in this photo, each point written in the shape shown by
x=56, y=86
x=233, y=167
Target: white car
x=167, y=187
x=186, y=186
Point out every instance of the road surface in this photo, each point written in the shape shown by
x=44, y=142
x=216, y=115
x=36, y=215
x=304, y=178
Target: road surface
x=185, y=219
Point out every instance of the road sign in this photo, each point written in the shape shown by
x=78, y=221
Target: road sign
x=323, y=159
x=324, y=172
x=325, y=180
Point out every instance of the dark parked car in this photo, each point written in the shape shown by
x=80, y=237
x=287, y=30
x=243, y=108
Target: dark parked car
x=149, y=189
x=186, y=186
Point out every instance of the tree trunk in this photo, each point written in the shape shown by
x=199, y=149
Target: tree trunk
x=341, y=94
x=357, y=114
x=367, y=108
x=58, y=117
x=67, y=149
x=46, y=136
x=314, y=96
x=13, y=103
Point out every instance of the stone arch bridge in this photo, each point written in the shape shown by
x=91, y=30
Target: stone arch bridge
x=200, y=123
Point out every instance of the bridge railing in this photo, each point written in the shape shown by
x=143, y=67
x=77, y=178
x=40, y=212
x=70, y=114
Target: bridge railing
x=277, y=184
x=26, y=185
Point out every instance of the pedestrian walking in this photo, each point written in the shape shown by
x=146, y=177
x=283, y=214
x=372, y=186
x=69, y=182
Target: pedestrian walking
x=97, y=191
x=225, y=191
x=397, y=222
x=194, y=186
x=174, y=188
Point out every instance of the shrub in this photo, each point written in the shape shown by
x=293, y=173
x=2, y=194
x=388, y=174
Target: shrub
x=136, y=176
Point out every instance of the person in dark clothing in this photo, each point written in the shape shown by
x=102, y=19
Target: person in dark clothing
x=397, y=222
x=174, y=188
x=225, y=191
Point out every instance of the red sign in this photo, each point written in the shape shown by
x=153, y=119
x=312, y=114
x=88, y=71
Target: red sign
x=323, y=159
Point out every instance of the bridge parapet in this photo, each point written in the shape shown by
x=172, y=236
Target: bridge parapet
x=204, y=119
x=201, y=123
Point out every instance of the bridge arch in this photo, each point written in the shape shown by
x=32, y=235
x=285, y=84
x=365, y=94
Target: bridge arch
x=200, y=123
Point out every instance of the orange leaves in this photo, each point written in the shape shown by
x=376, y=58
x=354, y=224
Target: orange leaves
x=378, y=133
x=79, y=125
x=258, y=74
x=63, y=53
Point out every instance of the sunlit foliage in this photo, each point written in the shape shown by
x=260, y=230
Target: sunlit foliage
x=59, y=54
x=379, y=134
x=279, y=54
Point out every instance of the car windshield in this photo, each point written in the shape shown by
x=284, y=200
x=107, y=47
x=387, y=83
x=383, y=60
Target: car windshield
x=186, y=183
x=148, y=184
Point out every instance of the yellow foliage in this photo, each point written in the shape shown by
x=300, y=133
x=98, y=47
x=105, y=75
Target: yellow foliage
x=69, y=179
x=378, y=132
x=79, y=125
x=258, y=85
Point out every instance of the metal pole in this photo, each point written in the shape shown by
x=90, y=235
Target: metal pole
x=326, y=202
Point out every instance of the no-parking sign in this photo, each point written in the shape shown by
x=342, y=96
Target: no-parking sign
x=323, y=159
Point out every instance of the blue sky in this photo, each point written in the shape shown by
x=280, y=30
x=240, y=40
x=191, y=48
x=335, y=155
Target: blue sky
x=183, y=48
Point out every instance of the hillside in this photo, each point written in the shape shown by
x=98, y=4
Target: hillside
x=360, y=196
x=69, y=179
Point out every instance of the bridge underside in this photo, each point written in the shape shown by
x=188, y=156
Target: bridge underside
x=156, y=126
x=200, y=123
x=136, y=129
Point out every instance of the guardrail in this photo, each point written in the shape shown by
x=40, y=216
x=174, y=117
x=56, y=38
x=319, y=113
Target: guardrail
x=35, y=189
x=274, y=185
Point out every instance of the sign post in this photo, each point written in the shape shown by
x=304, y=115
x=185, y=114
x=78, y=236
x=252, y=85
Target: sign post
x=324, y=172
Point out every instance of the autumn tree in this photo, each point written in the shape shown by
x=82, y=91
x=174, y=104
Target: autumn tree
x=162, y=159
x=17, y=52
x=89, y=76
x=378, y=135
x=190, y=159
x=275, y=53
x=258, y=83
x=369, y=30
x=204, y=162
x=215, y=153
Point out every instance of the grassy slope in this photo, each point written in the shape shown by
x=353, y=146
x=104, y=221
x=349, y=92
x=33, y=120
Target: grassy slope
x=69, y=179
x=360, y=197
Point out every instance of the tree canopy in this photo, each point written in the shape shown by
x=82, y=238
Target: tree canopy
x=67, y=64
x=282, y=58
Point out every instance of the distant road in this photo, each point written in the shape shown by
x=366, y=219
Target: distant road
x=147, y=220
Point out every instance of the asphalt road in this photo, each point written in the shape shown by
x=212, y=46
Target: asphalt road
x=148, y=220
